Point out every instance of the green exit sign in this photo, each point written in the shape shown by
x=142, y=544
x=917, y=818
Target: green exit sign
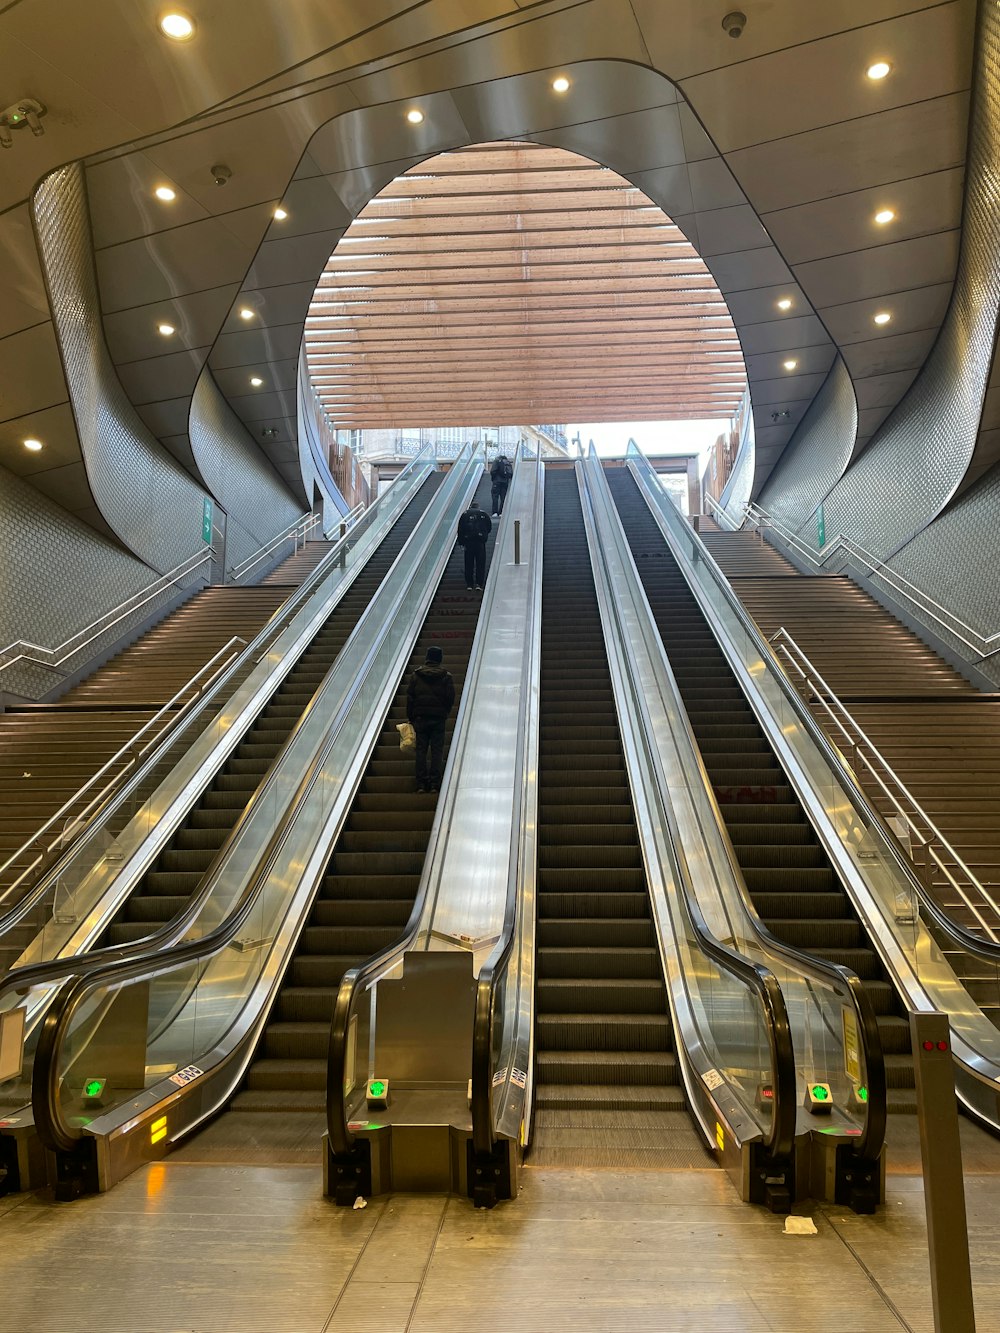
x=206, y=520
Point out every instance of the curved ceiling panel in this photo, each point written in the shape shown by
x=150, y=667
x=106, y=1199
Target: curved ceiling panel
x=517, y=283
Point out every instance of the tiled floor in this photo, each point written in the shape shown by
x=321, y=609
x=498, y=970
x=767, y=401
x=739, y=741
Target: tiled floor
x=190, y=1247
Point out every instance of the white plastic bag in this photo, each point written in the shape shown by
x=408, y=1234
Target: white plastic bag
x=407, y=737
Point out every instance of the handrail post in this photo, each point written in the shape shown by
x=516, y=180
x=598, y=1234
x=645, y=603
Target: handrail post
x=944, y=1186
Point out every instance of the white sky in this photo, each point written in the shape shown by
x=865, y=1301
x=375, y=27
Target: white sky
x=652, y=437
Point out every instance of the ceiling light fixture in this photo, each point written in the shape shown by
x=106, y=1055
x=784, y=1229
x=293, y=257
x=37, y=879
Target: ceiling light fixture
x=789, y=365
x=884, y=215
x=280, y=214
x=166, y=329
x=561, y=84
x=882, y=317
x=414, y=116
x=256, y=381
x=785, y=303
x=33, y=445
x=165, y=193
x=879, y=70
x=246, y=313
x=178, y=27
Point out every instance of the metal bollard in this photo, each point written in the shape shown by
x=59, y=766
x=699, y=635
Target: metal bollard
x=944, y=1186
x=517, y=541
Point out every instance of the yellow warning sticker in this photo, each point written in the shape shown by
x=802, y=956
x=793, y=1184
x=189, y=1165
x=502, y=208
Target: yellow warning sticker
x=720, y=1137
x=852, y=1056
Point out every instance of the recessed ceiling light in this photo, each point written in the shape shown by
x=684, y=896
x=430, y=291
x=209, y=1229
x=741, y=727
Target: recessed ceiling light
x=561, y=84
x=882, y=317
x=789, y=365
x=879, y=70
x=256, y=381
x=165, y=193
x=166, y=329
x=246, y=313
x=280, y=214
x=414, y=116
x=785, y=303
x=178, y=27
x=884, y=215
x=33, y=445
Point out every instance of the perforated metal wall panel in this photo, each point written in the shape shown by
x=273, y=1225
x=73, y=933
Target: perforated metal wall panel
x=257, y=502
x=736, y=492
x=817, y=453
x=146, y=498
x=956, y=561
x=56, y=576
x=918, y=457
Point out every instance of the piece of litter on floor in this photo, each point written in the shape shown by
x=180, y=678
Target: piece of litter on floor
x=800, y=1226
x=361, y=1202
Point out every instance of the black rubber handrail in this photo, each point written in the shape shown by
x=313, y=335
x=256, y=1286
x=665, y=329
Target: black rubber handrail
x=53, y=1128
x=61, y=859
x=22, y=979
x=957, y=933
x=753, y=976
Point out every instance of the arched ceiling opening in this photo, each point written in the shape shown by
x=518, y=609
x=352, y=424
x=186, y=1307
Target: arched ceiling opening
x=516, y=283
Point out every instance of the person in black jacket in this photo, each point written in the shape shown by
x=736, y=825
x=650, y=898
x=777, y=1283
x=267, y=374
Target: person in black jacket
x=474, y=527
x=429, y=699
x=500, y=475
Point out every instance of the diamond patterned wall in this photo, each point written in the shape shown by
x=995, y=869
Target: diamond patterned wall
x=54, y=570
x=145, y=496
x=918, y=457
x=257, y=502
x=817, y=453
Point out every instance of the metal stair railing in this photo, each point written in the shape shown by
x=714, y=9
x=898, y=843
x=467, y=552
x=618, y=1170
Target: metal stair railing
x=917, y=823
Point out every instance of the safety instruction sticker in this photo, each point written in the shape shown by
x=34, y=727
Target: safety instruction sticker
x=852, y=1054
x=518, y=1077
x=712, y=1079
x=499, y=1077
x=186, y=1075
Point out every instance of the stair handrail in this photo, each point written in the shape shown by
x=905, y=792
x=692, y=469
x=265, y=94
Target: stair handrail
x=299, y=530
x=253, y=653
x=129, y=755
x=981, y=645
x=721, y=515
x=884, y=774
x=26, y=651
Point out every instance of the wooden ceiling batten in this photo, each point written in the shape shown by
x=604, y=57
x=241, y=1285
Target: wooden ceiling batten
x=513, y=283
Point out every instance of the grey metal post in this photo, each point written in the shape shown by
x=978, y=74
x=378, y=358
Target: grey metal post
x=517, y=541
x=944, y=1187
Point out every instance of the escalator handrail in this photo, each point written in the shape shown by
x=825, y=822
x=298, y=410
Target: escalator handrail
x=753, y=976
x=873, y=817
x=868, y=1145
x=351, y=983
x=484, y=1016
x=253, y=653
x=53, y=1128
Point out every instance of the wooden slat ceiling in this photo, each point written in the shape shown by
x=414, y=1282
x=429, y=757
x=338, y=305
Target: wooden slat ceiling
x=513, y=283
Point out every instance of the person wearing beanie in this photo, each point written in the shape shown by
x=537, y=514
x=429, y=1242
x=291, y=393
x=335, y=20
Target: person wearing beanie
x=474, y=527
x=429, y=699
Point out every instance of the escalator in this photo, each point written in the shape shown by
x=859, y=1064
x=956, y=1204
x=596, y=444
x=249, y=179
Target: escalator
x=606, y=1078
x=178, y=870
x=369, y=887
x=791, y=882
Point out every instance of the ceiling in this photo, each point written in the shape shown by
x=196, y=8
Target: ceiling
x=513, y=283
x=782, y=128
